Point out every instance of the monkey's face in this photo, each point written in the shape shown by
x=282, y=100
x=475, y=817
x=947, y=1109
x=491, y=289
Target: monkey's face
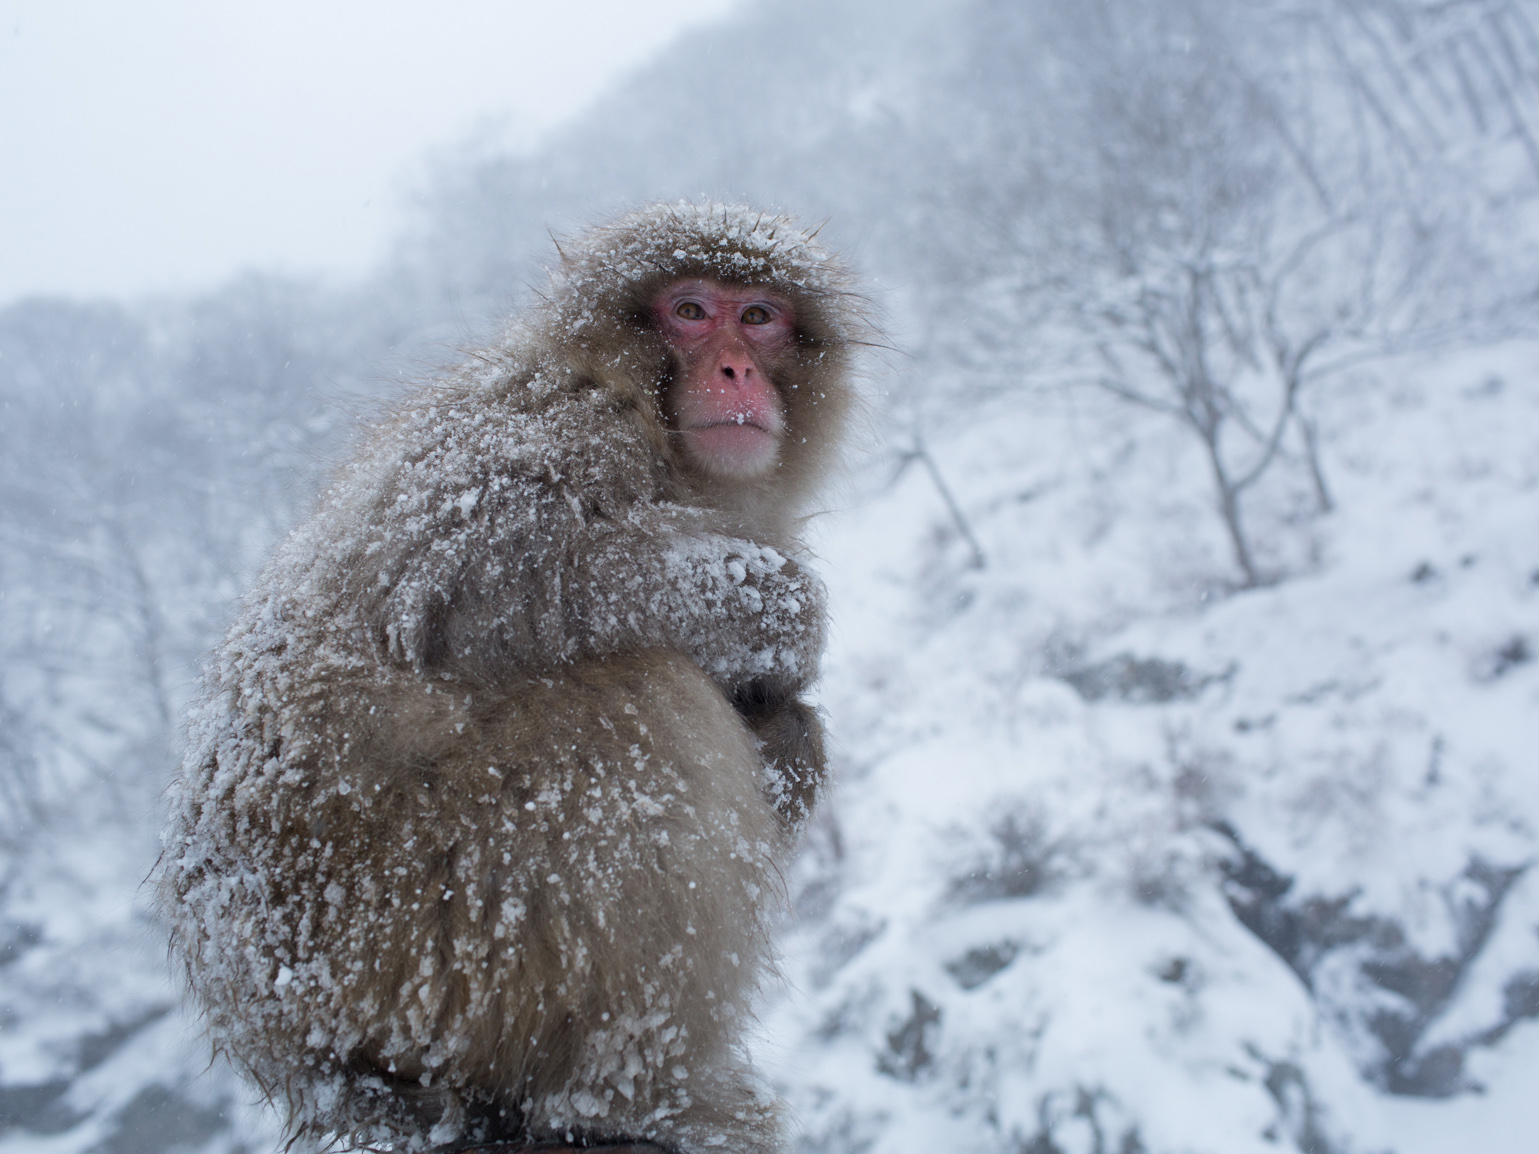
x=727, y=341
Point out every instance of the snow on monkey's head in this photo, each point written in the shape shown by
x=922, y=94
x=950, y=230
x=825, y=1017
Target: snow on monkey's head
x=729, y=326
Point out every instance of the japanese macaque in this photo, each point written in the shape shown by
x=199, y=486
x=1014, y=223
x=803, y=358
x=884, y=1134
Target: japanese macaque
x=477, y=833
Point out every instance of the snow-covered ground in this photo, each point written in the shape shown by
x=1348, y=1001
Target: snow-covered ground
x=1124, y=860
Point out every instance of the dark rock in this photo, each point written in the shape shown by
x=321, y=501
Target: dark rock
x=158, y=1120
x=1304, y=931
x=38, y=1108
x=977, y=966
x=910, y=1048
x=1141, y=680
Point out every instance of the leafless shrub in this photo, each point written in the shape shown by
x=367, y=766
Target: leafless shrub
x=1020, y=858
x=911, y=1043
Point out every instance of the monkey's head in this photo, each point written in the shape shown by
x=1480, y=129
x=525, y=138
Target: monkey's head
x=727, y=332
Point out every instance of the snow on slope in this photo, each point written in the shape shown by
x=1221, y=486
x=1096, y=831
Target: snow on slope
x=1123, y=860
x=95, y=1052
x=1117, y=850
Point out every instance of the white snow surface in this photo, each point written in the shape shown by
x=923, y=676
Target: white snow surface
x=1016, y=928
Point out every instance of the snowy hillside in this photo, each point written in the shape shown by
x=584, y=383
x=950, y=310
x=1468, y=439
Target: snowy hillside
x=1124, y=861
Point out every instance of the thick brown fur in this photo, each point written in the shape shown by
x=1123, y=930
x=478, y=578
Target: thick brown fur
x=477, y=833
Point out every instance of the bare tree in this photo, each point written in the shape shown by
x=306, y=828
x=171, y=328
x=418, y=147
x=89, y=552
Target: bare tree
x=1438, y=74
x=1206, y=209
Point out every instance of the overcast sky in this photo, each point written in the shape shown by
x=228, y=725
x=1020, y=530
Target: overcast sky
x=162, y=145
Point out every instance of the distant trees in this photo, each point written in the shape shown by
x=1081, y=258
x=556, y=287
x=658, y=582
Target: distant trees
x=66, y=375
x=1205, y=208
x=1438, y=75
x=147, y=459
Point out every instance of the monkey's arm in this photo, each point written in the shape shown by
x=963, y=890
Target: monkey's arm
x=548, y=579
x=753, y=620
x=744, y=612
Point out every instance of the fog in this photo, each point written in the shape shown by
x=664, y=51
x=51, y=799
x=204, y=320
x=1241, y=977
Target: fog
x=1184, y=573
x=165, y=146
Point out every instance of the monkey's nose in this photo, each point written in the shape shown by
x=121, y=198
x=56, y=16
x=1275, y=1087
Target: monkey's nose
x=737, y=372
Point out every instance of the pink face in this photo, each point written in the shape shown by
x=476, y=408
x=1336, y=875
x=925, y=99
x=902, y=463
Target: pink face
x=724, y=404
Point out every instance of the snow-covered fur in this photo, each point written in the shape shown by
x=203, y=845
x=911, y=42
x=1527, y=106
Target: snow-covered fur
x=469, y=840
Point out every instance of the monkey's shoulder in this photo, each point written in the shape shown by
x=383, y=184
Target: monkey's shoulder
x=453, y=469
x=535, y=428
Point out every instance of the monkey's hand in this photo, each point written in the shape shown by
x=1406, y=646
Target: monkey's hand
x=759, y=614
x=790, y=737
x=741, y=610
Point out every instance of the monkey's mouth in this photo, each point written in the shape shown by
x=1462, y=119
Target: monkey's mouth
x=734, y=447
x=746, y=421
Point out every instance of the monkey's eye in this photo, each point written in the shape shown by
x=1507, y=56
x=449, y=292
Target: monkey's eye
x=690, y=311
x=756, y=315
